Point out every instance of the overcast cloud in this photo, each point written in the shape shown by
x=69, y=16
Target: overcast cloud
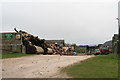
x=80, y=22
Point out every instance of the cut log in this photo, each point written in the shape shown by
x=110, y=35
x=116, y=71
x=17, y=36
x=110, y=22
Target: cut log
x=39, y=50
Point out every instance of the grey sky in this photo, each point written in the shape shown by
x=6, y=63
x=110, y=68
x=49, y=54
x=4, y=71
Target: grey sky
x=80, y=22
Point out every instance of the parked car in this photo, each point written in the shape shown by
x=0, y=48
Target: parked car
x=97, y=52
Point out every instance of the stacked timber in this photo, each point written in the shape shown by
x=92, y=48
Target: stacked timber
x=35, y=45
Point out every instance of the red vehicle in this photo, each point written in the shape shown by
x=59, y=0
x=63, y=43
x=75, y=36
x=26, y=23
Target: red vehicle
x=104, y=50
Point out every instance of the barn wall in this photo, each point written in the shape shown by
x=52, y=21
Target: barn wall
x=59, y=42
x=114, y=43
x=0, y=43
x=118, y=49
x=11, y=42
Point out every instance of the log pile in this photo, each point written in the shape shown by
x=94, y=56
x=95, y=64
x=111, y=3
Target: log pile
x=35, y=45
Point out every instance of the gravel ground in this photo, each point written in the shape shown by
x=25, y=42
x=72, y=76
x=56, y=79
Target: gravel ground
x=0, y=69
x=38, y=66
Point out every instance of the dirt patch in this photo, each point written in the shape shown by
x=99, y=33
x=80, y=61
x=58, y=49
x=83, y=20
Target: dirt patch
x=1, y=69
x=38, y=66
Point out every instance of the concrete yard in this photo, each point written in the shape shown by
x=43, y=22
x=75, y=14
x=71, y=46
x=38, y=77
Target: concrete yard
x=38, y=66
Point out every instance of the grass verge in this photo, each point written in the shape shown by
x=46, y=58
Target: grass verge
x=103, y=66
x=12, y=55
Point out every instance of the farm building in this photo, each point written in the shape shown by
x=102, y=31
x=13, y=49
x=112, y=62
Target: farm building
x=107, y=43
x=11, y=42
x=118, y=48
x=59, y=42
